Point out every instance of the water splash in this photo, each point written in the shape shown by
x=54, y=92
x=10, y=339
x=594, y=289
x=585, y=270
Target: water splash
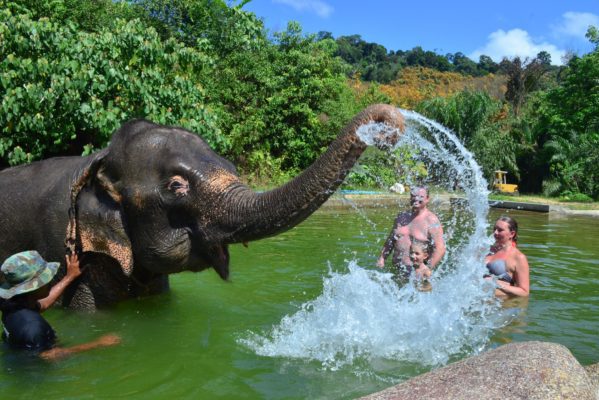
x=363, y=315
x=378, y=134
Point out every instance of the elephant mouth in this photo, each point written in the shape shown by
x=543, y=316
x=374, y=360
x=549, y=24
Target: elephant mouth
x=187, y=252
x=218, y=258
x=204, y=254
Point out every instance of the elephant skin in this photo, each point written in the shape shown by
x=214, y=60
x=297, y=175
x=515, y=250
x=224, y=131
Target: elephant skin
x=159, y=201
x=528, y=370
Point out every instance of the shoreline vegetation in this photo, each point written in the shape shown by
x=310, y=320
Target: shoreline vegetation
x=371, y=198
x=271, y=102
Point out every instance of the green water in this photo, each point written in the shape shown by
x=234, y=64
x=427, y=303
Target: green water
x=185, y=343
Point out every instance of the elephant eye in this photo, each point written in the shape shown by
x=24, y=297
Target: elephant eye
x=178, y=185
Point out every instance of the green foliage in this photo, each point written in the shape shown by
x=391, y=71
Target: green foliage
x=574, y=164
x=279, y=101
x=593, y=36
x=87, y=15
x=211, y=24
x=373, y=63
x=380, y=169
x=495, y=149
x=265, y=170
x=465, y=113
x=286, y=101
x=72, y=71
x=476, y=119
x=524, y=77
x=65, y=91
x=568, y=127
x=574, y=104
x=568, y=196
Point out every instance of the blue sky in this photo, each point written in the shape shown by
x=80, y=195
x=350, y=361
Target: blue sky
x=496, y=28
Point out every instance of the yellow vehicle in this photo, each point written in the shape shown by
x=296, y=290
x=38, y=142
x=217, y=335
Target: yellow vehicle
x=500, y=183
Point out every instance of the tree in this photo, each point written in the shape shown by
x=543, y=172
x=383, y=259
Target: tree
x=65, y=91
x=574, y=164
x=486, y=63
x=297, y=103
x=593, y=36
x=88, y=15
x=464, y=65
x=568, y=126
x=524, y=76
x=544, y=58
x=477, y=120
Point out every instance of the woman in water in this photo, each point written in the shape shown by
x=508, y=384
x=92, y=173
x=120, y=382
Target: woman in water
x=506, y=262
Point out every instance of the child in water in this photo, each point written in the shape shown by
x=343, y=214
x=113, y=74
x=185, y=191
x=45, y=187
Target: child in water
x=419, y=255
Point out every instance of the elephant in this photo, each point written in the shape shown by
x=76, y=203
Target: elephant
x=157, y=201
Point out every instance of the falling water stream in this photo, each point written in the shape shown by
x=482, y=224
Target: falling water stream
x=362, y=315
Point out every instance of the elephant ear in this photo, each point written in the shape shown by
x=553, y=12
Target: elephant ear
x=96, y=216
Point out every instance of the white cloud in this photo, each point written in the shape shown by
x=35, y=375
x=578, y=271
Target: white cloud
x=516, y=42
x=575, y=24
x=321, y=8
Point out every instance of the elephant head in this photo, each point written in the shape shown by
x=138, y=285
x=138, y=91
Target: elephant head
x=159, y=199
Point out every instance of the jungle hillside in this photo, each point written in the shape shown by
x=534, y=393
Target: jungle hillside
x=72, y=71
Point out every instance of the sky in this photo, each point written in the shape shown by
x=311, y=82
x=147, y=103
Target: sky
x=498, y=29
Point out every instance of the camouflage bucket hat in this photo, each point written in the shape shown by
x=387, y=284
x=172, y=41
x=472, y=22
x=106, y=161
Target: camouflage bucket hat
x=25, y=272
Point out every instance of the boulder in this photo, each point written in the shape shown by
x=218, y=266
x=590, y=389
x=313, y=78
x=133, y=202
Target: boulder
x=593, y=372
x=528, y=370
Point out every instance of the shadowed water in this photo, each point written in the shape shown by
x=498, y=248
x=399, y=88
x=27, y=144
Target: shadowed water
x=189, y=343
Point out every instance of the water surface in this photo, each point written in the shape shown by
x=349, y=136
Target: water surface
x=196, y=340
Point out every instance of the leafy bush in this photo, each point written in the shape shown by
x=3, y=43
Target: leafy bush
x=575, y=197
x=381, y=169
x=478, y=120
x=65, y=91
x=465, y=113
x=288, y=99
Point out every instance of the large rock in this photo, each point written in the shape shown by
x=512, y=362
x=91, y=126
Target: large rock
x=529, y=370
x=593, y=372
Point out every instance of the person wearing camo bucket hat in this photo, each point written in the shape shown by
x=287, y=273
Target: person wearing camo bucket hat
x=25, y=272
x=25, y=293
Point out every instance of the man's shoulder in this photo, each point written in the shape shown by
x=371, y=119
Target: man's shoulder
x=431, y=215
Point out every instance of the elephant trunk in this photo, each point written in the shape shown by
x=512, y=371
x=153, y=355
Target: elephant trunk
x=250, y=216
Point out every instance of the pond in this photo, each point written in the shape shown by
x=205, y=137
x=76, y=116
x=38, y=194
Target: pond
x=212, y=339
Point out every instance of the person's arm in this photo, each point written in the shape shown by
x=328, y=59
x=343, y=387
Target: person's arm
x=387, y=248
x=436, y=234
x=61, y=352
x=73, y=272
x=522, y=279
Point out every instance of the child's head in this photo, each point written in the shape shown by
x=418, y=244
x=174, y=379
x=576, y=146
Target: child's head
x=418, y=252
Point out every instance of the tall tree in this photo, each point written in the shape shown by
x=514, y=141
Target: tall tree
x=486, y=63
x=523, y=77
x=568, y=126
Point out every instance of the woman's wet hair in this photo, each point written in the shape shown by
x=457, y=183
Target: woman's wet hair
x=512, y=225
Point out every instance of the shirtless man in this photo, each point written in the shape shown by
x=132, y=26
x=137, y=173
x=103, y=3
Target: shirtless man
x=420, y=224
